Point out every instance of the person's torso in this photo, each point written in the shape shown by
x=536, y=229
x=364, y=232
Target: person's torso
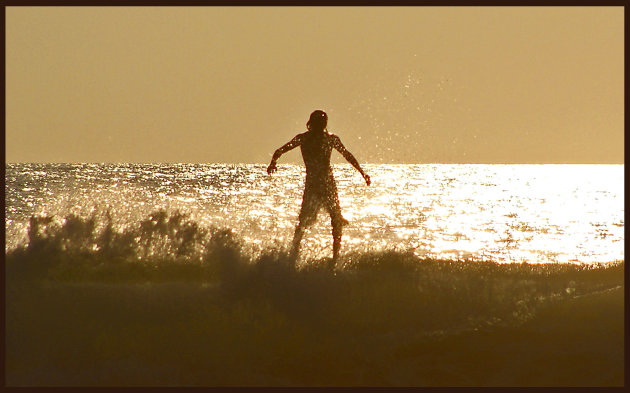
x=316, y=150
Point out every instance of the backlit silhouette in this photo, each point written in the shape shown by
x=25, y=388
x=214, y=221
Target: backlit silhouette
x=320, y=189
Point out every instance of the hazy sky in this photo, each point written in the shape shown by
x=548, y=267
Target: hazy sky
x=403, y=85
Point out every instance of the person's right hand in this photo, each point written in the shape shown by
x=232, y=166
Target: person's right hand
x=272, y=168
x=368, y=181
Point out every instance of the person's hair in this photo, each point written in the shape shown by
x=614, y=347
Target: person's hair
x=318, y=119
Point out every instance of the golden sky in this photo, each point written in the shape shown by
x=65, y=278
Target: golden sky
x=400, y=84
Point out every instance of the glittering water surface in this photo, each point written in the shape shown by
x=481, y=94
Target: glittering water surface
x=503, y=213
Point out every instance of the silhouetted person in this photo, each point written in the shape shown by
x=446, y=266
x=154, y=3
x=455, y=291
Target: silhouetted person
x=319, y=189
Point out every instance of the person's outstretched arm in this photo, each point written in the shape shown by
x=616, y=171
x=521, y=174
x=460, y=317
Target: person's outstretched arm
x=350, y=158
x=292, y=144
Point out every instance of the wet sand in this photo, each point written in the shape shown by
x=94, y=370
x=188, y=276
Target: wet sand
x=56, y=338
x=579, y=342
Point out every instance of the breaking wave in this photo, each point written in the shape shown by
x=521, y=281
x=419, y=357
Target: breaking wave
x=167, y=301
x=362, y=287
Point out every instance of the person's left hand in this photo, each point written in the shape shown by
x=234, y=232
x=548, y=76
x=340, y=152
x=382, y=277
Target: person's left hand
x=368, y=181
x=272, y=168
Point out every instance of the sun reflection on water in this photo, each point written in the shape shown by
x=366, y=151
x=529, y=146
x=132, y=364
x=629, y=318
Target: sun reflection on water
x=504, y=213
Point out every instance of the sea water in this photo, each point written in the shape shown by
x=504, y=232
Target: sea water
x=500, y=213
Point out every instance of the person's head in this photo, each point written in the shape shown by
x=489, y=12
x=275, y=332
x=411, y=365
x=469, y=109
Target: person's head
x=317, y=121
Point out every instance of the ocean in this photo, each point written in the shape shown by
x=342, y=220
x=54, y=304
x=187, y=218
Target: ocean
x=501, y=213
x=177, y=274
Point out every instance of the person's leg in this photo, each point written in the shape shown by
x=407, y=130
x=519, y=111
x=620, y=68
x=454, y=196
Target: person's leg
x=336, y=233
x=297, y=238
x=308, y=215
x=337, y=222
